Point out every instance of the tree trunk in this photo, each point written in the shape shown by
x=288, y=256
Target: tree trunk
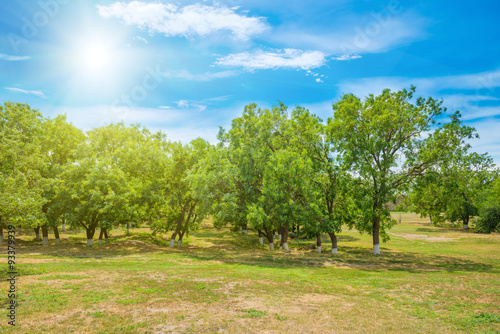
x=318, y=242
x=172, y=238
x=101, y=233
x=1, y=231
x=270, y=237
x=430, y=217
x=333, y=237
x=244, y=229
x=45, y=234
x=63, y=224
x=376, y=235
x=181, y=235
x=105, y=235
x=284, y=239
x=37, y=233
x=466, y=222
x=56, y=234
x=90, y=235
x=261, y=239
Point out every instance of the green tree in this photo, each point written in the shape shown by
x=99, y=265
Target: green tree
x=284, y=195
x=382, y=139
x=331, y=195
x=114, y=179
x=257, y=145
x=21, y=160
x=180, y=210
x=59, y=140
x=454, y=189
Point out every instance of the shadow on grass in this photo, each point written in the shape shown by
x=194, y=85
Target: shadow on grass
x=237, y=249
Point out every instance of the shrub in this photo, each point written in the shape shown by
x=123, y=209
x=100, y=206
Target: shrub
x=489, y=220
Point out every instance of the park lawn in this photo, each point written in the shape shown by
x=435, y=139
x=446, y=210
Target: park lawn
x=427, y=280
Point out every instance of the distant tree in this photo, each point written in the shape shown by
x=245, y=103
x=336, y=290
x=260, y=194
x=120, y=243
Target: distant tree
x=382, y=140
x=453, y=190
x=489, y=219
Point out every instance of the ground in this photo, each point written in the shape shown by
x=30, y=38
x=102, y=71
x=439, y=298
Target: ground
x=427, y=280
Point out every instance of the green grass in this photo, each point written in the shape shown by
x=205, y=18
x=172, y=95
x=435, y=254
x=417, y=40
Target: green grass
x=428, y=279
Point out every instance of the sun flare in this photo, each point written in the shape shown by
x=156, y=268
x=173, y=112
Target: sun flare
x=96, y=57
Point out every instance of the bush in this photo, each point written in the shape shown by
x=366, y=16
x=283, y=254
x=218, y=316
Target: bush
x=489, y=220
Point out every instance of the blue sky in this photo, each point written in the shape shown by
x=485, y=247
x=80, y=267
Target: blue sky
x=188, y=67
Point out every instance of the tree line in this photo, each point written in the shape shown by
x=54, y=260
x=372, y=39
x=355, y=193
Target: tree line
x=276, y=171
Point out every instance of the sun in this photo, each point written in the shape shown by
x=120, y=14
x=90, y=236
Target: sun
x=96, y=58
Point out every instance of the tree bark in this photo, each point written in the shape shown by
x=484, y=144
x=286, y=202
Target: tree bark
x=1, y=230
x=37, y=233
x=284, y=239
x=45, y=234
x=56, y=234
x=376, y=235
x=270, y=237
x=430, y=217
x=101, y=233
x=63, y=225
x=261, y=239
x=90, y=235
x=105, y=235
x=466, y=222
x=333, y=237
x=318, y=242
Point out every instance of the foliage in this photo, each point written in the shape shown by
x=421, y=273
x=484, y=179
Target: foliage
x=180, y=210
x=21, y=162
x=489, y=220
x=381, y=140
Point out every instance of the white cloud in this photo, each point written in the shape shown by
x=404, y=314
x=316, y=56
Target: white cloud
x=182, y=104
x=319, y=80
x=286, y=58
x=38, y=93
x=142, y=39
x=483, y=84
x=188, y=21
x=367, y=35
x=13, y=58
x=488, y=138
x=346, y=57
x=207, y=76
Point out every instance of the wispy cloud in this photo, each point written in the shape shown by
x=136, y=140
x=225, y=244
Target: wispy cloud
x=346, y=57
x=189, y=21
x=482, y=84
x=38, y=93
x=286, y=58
x=13, y=58
x=354, y=35
x=207, y=76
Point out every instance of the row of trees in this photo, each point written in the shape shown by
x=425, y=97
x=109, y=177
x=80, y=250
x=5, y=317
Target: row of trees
x=274, y=171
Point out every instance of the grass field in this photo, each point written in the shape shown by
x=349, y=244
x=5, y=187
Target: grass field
x=427, y=280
